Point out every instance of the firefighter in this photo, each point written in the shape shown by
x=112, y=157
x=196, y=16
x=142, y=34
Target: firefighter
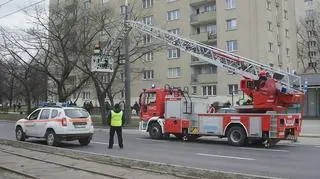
x=262, y=79
x=116, y=121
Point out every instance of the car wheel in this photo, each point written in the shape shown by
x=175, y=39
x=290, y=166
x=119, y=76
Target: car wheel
x=237, y=136
x=51, y=138
x=20, y=135
x=155, y=131
x=85, y=141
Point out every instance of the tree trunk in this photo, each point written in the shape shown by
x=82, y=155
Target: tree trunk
x=28, y=100
x=61, y=96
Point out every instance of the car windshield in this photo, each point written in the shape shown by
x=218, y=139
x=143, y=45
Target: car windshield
x=76, y=113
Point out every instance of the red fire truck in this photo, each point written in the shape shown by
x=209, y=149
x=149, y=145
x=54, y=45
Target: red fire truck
x=272, y=91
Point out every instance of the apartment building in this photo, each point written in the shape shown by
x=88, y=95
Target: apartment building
x=262, y=30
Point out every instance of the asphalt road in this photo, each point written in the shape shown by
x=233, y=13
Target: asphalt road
x=286, y=160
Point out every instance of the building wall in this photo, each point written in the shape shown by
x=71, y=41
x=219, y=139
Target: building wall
x=252, y=35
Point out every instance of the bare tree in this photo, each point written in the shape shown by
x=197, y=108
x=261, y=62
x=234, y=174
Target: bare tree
x=308, y=33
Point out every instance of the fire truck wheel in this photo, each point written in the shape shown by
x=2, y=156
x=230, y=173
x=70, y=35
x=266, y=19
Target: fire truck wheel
x=236, y=136
x=155, y=131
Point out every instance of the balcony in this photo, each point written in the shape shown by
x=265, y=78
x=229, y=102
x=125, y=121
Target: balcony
x=203, y=18
x=201, y=2
x=196, y=61
x=204, y=37
x=204, y=78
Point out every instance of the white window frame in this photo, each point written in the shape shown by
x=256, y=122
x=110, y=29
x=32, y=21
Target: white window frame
x=175, y=31
x=194, y=90
x=147, y=75
x=147, y=20
x=147, y=38
x=233, y=88
x=231, y=4
x=147, y=4
x=87, y=4
x=174, y=72
x=232, y=45
x=209, y=90
x=231, y=24
x=173, y=15
x=174, y=53
x=149, y=57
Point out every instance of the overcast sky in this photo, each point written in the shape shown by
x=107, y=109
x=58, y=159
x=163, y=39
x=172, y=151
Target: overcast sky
x=18, y=19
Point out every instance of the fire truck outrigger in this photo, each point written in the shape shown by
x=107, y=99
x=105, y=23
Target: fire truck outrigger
x=170, y=110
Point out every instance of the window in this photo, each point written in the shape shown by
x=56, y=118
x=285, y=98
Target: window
x=311, y=44
x=122, y=76
x=34, y=115
x=231, y=24
x=310, y=23
x=54, y=113
x=312, y=33
x=146, y=38
x=173, y=15
x=309, y=13
x=85, y=95
x=147, y=3
x=287, y=32
x=149, y=57
x=174, y=31
x=231, y=4
x=268, y=4
x=209, y=90
x=270, y=46
x=194, y=89
x=174, y=53
x=87, y=4
x=309, y=2
x=76, y=113
x=45, y=114
x=123, y=9
x=312, y=54
x=233, y=89
x=209, y=7
x=148, y=74
x=104, y=1
x=269, y=26
x=147, y=20
x=232, y=46
x=285, y=14
x=174, y=72
x=312, y=64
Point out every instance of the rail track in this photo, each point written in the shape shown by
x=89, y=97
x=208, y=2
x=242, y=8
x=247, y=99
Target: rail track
x=52, y=163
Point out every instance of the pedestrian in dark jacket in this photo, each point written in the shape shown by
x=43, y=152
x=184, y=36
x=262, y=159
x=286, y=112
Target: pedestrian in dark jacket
x=116, y=121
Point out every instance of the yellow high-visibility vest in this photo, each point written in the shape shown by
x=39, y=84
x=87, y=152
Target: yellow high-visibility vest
x=116, y=119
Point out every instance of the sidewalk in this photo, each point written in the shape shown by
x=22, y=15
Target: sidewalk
x=310, y=128
x=55, y=166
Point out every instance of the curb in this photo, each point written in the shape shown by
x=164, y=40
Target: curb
x=309, y=136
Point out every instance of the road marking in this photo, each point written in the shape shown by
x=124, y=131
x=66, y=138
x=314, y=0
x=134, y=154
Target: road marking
x=151, y=139
x=102, y=143
x=224, y=156
x=260, y=149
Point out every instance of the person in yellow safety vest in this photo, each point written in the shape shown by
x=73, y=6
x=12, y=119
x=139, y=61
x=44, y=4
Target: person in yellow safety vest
x=116, y=121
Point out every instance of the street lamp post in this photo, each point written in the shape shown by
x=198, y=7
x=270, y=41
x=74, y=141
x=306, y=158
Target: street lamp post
x=127, y=107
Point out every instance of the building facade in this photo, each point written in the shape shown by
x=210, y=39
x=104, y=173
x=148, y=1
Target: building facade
x=261, y=30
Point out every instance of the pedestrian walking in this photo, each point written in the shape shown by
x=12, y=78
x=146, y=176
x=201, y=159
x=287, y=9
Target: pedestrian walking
x=116, y=121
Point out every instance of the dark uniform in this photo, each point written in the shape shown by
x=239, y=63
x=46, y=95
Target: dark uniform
x=116, y=121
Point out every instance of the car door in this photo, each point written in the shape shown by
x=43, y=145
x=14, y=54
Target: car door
x=42, y=122
x=30, y=125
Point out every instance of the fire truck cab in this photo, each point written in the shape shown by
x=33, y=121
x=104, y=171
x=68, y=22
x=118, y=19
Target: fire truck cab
x=169, y=110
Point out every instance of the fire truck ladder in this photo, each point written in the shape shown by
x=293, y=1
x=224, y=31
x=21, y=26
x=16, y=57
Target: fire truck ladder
x=232, y=62
x=110, y=49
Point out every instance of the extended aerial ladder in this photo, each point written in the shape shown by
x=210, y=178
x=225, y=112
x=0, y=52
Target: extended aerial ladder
x=232, y=62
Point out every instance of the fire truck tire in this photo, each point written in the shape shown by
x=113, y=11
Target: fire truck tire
x=236, y=136
x=155, y=131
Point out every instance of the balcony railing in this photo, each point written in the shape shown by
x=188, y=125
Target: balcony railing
x=203, y=18
x=204, y=78
x=200, y=2
x=204, y=37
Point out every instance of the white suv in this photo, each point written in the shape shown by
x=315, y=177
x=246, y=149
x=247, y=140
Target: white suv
x=56, y=124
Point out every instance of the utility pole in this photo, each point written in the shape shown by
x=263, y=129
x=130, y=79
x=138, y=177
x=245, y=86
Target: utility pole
x=127, y=68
